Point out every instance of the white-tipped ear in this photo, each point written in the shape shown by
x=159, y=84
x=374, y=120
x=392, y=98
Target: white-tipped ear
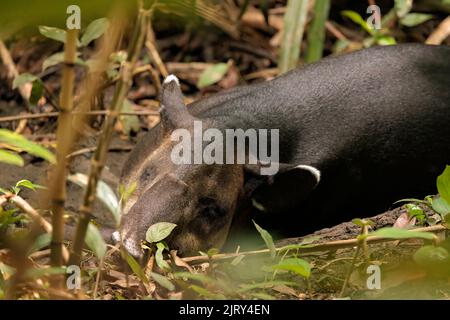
x=171, y=78
x=315, y=172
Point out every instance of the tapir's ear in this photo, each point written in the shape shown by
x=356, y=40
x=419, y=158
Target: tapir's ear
x=174, y=113
x=287, y=188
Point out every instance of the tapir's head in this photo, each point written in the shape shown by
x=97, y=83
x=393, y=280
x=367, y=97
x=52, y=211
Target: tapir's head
x=199, y=198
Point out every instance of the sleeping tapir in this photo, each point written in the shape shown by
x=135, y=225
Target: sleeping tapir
x=355, y=133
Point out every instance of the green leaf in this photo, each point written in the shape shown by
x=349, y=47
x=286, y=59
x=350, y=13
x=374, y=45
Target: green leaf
x=18, y=141
x=41, y=242
x=56, y=58
x=36, y=92
x=362, y=222
x=296, y=265
x=11, y=158
x=415, y=211
x=29, y=185
x=440, y=206
x=443, y=184
x=159, y=231
x=162, y=281
x=6, y=270
x=126, y=192
x=160, y=247
x=403, y=7
x=23, y=78
x=267, y=239
x=430, y=256
x=356, y=18
x=414, y=19
x=53, y=33
x=206, y=293
x=43, y=272
x=386, y=41
x=94, y=30
x=134, y=266
x=94, y=241
x=397, y=233
x=212, y=74
x=411, y=200
x=104, y=193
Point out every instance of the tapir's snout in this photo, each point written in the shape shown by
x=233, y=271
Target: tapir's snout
x=199, y=198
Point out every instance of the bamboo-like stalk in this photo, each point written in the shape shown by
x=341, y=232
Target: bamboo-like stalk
x=316, y=33
x=98, y=160
x=294, y=26
x=58, y=186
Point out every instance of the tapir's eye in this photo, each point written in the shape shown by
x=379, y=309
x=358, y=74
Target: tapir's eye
x=208, y=207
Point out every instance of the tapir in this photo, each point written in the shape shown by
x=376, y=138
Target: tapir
x=357, y=132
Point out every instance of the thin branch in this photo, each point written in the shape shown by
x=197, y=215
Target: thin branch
x=89, y=113
x=326, y=246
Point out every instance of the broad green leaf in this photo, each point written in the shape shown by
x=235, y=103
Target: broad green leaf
x=356, y=18
x=414, y=19
x=11, y=158
x=212, y=74
x=162, y=281
x=28, y=184
x=18, y=141
x=53, y=33
x=41, y=242
x=94, y=241
x=414, y=210
x=443, y=184
x=160, y=247
x=386, y=41
x=296, y=265
x=403, y=7
x=159, y=231
x=94, y=30
x=23, y=78
x=441, y=206
x=58, y=58
x=397, y=233
x=206, y=293
x=267, y=239
x=134, y=266
x=104, y=193
x=430, y=255
x=37, y=90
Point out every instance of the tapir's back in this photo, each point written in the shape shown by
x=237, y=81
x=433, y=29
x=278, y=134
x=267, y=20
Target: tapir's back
x=375, y=123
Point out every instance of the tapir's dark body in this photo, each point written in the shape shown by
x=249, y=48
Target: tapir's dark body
x=376, y=123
